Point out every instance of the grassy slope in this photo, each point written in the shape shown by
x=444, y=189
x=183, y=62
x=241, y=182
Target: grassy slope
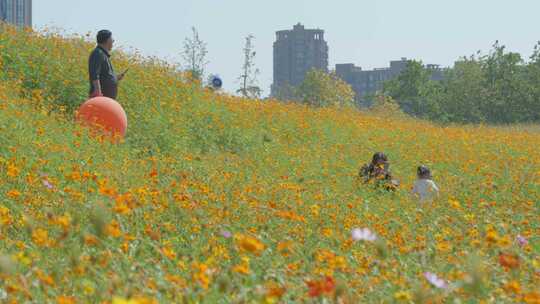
x=195, y=163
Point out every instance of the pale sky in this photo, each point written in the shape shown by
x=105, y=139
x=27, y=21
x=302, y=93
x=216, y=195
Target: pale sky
x=367, y=33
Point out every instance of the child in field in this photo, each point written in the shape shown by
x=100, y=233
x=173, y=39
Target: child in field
x=425, y=188
x=378, y=171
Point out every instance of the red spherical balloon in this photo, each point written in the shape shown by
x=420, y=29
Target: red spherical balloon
x=105, y=114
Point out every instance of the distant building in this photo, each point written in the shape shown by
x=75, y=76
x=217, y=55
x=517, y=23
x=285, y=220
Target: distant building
x=296, y=52
x=369, y=82
x=17, y=12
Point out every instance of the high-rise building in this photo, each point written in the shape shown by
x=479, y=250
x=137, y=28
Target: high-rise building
x=18, y=12
x=296, y=52
x=367, y=82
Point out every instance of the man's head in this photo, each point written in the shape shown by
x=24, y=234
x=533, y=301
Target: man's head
x=379, y=158
x=105, y=40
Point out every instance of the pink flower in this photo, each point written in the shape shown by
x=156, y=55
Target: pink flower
x=226, y=234
x=435, y=280
x=363, y=234
x=47, y=184
x=521, y=240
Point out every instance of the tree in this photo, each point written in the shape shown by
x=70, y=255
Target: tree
x=285, y=92
x=248, y=79
x=383, y=105
x=408, y=87
x=496, y=88
x=504, y=75
x=533, y=79
x=321, y=89
x=194, y=55
x=464, y=92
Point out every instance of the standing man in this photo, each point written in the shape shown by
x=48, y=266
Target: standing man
x=103, y=80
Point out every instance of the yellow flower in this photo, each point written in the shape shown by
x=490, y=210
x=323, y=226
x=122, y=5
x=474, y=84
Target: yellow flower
x=88, y=289
x=169, y=252
x=285, y=248
x=243, y=267
x=444, y=246
x=454, y=204
x=315, y=210
x=201, y=274
x=118, y=300
x=249, y=244
x=63, y=221
x=40, y=237
x=327, y=232
x=512, y=287
x=504, y=241
x=492, y=236
x=5, y=216
x=45, y=279
x=403, y=296
x=121, y=208
x=22, y=258
x=12, y=171
x=536, y=264
x=175, y=280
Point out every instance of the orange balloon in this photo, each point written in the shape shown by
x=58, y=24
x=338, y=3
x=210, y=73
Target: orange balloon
x=103, y=113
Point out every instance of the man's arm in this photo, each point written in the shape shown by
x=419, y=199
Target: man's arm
x=123, y=74
x=94, y=69
x=97, y=88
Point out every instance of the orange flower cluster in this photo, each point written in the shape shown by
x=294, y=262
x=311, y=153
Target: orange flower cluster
x=321, y=287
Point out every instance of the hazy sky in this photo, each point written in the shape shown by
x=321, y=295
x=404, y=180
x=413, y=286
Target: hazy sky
x=367, y=33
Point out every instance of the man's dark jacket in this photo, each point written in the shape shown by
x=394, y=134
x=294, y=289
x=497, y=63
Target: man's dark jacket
x=100, y=68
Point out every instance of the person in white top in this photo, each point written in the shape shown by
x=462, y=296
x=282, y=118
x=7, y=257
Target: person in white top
x=425, y=188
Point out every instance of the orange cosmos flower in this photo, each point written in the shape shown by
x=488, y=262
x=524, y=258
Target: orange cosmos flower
x=113, y=229
x=510, y=261
x=512, y=287
x=274, y=291
x=532, y=298
x=90, y=240
x=321, y=287
x=65, y=300
x=13, y=194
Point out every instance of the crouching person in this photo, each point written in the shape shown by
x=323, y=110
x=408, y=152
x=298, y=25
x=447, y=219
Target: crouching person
x=378, y=173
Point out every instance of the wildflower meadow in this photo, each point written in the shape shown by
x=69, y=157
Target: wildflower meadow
x=212, y=198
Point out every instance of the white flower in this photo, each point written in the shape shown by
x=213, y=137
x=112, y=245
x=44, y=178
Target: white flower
x=363, y=234
x=435, y=280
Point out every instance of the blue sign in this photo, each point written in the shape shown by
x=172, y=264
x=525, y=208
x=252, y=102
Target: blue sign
x=217, y=82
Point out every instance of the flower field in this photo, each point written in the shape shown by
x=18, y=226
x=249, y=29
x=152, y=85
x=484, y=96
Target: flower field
x=216, y=199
